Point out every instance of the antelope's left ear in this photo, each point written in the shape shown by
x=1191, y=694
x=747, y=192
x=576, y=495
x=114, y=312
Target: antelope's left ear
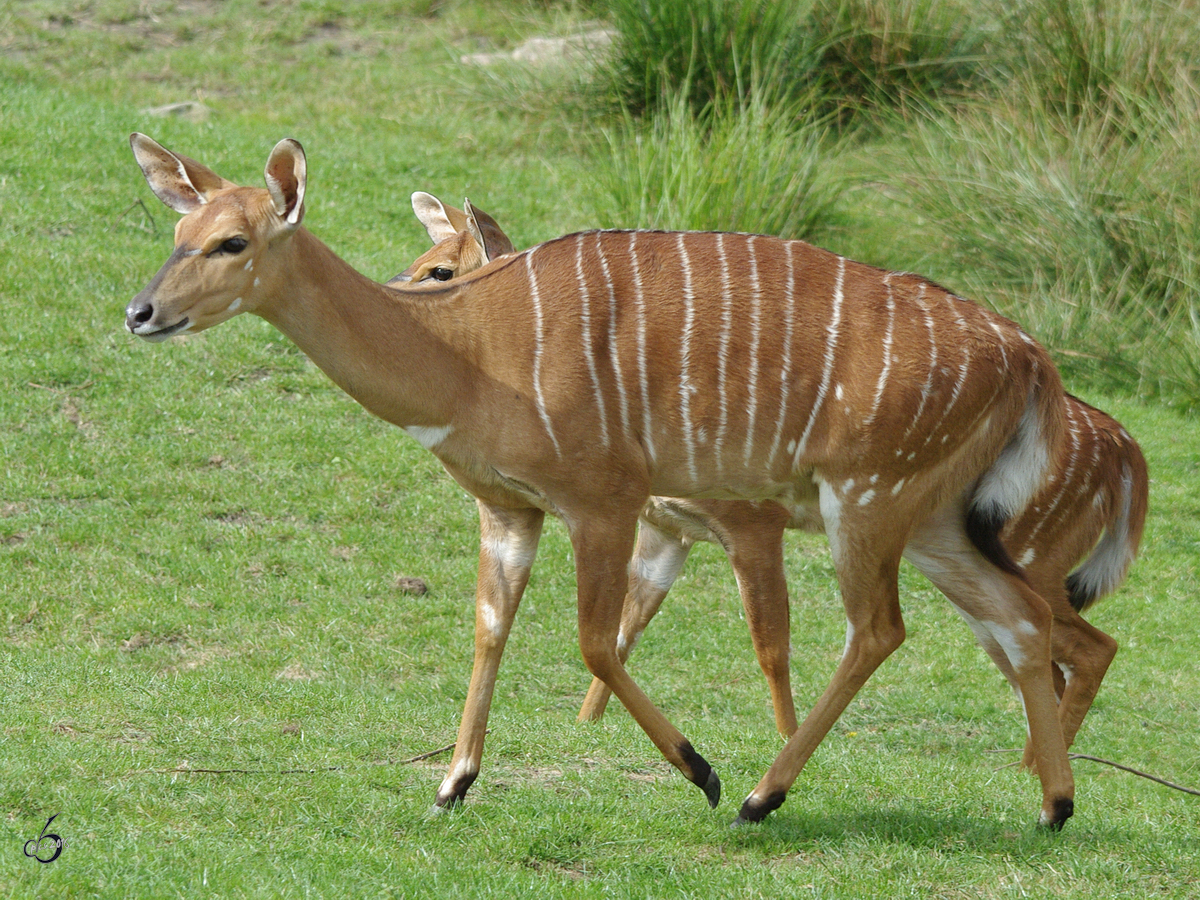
x=286, y=174
x=491, y=239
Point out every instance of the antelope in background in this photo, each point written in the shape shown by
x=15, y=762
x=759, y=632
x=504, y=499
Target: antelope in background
x=593, y=371
x=1094, y=503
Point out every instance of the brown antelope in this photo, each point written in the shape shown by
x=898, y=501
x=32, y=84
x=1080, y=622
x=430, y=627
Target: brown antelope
x=1094, y=503
x=595, y=370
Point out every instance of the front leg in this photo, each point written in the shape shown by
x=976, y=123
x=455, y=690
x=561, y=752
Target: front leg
x=507, y=545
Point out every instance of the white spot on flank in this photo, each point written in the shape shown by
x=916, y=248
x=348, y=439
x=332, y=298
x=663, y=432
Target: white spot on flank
x=791, y=446
x=1027, y=557
x=257, y=281
x=838, y=392
x=867, y=497
x=848, y=485
x=428, y=437
x=236, y=304
x=899, y=485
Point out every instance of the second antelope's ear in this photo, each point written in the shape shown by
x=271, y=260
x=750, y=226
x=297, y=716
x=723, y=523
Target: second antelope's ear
x=181, y=183
x=487, y=233
x=287, y=174
x=440, y=221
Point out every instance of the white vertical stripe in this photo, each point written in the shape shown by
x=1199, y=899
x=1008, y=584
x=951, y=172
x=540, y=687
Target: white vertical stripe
x=831, y=330
x=785, y=373
x=962, y=373
x=613, y=354
x=539, y=342
x=589, y=350
x=927, y=387
x=685, y=351
x=887, y=351
x=755, y=336
x=640, y=303
x=723, y=351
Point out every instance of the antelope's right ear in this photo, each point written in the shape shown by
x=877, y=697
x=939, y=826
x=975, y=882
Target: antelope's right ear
x=181, y=183
x=440, y=221
x=487, y=233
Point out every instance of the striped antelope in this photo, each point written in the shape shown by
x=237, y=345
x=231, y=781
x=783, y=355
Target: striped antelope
x=1094, y=503
x=586, y=374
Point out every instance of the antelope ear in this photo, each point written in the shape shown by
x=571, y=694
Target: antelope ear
x=287, y=174
x=181, y=183
x=487, y=233
x=440, y=221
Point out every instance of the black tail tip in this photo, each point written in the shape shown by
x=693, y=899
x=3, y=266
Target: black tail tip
x=983, y=530
x=1081, y=595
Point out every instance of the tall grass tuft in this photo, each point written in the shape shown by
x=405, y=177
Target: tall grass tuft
x=1080, y=56
x=892, y=53
x=1089, y=239
x=705, y=49
x=739, y=164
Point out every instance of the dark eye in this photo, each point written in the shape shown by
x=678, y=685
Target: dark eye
x=233, y=246
x=441, y=273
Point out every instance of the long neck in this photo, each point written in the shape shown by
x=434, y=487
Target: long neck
x=382, y=349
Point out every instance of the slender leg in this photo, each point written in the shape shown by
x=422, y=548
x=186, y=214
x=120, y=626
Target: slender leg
x=658, y=558
x=602, y=546
x=1006, y=613
x=754, y=544
x=508, y=544
x=1082, y=654
x=868, y=576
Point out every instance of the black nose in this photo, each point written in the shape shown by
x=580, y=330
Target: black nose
x=139, y=312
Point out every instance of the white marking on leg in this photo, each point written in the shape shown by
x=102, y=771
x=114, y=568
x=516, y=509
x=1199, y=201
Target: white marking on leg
x=685, y=385
x=755, y=335
x=831, y=515
x=589, y=350
x=639, y=298
x=538, y=345
x=830, y=351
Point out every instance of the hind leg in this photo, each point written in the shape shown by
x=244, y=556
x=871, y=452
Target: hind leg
x=1014, y=624
x=658, y=558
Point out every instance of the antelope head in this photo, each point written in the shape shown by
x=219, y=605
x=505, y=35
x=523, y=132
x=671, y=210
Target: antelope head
x=463, y=241
x=225, y=232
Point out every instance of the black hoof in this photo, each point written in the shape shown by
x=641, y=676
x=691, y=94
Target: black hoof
x=448, y=798
x=1064, y=808
x=703, y=775
x=756, y=810
x=712, y=789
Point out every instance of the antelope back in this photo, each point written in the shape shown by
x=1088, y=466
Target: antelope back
x=741, y=360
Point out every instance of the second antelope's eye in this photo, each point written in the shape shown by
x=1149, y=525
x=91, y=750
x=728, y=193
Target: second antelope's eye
x=233, y=246
x=441, y=273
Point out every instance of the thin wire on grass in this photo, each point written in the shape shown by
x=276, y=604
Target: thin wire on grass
x=188, y=770
x=1107, y=762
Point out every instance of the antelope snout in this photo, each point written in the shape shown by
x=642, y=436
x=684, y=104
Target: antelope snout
x=138, y=313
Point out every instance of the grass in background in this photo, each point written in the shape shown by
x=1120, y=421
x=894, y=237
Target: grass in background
x=749, y=164
x=200, y=541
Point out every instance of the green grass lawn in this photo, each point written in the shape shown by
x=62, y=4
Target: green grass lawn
x=201, y=540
